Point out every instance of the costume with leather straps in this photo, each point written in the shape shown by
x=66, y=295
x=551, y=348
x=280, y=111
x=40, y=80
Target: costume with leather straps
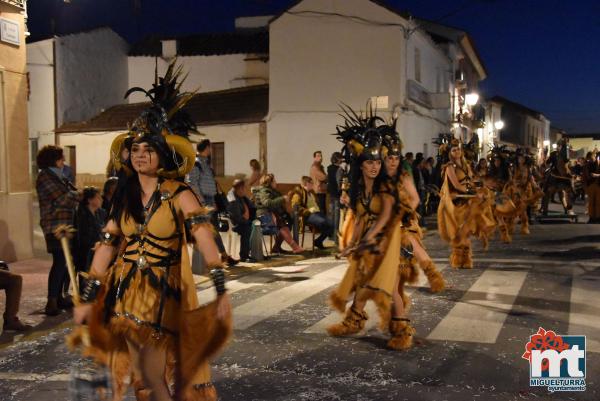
x=463, y=214
x=148, y=296
x=373, y=265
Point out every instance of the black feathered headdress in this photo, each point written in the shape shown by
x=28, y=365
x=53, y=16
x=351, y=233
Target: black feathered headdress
x=164, y=125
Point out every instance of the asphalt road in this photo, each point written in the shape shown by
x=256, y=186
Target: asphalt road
x=469, y=340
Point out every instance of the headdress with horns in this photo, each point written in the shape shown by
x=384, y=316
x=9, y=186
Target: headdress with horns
x=163, y=124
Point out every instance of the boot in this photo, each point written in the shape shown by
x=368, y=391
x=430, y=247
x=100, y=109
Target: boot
x=456, y=258
x=352, y=323
x=52, y=308
x=402, y=334
x=14, y=324
x=201, y=392
x=435, y=278
x=504, y=235
x=141, y=392
x=467, y=258
x=65, y=302
x=525, y=226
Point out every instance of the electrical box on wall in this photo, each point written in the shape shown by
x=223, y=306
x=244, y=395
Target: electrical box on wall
x=379, y=102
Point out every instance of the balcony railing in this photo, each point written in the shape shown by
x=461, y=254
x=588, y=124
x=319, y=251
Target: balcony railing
x=16, y=3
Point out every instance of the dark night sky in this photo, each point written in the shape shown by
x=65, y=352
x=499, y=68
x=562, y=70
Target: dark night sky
x=544, y=54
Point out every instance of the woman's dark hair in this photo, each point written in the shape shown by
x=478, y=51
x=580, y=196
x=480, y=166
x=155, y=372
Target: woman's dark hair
x=255, y=164
x=109, y=186
x=357, y=184
x=336, y=157
x=203, y=144
x=127, y=201
x=499, y=172
x=267, y=180
x=88, y=193
x=48, y=156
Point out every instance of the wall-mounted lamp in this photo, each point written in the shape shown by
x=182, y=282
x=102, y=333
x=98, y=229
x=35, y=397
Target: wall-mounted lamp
x=546, y=143
x=471, y=99
x=499, y=125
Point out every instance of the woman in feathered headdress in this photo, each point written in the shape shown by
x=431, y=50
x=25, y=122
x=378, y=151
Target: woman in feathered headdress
x=374, y=247
x=524, y=191
x=142, y=311
x=407, y=199
x=465, y=207
x=499, y=180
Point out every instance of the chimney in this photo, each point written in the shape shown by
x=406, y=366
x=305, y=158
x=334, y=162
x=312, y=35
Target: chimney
x=169, y=49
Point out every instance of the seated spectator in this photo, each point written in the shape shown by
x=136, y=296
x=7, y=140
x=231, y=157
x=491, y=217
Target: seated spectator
x=271, y=203
x=241, y=212
x=89, y=220
x=305, y=204
x=12, y=284
x=254, y=179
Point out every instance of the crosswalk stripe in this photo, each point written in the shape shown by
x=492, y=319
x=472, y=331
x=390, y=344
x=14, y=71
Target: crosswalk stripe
x=259, y=309
x=209, y=294
x=373, y=322
x=481, y=312
x=584, y=318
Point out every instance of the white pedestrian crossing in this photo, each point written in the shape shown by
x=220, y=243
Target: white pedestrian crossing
x=259, y=309
x=481, y=312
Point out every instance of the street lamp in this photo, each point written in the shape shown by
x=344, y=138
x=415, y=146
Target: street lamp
x=546, y=143
x=471, y=99
x=554, y=146
x=499, y=125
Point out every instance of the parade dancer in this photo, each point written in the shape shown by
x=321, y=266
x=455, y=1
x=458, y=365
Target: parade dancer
x=373, y=250
x=142, y=312
x=524, y=191
x=465, y=206
x=407, y=200
x=499, y=180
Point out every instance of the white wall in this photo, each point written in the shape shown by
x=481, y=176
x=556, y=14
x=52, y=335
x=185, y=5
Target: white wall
x=436, y=70
x=40, y=107
x=205, y=73
x=91, y=73
x=241, y=145
x=318, y=62
x=92, y=150
x=418, y=132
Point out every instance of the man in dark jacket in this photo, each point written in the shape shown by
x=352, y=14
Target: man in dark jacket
x=241, y=212
x=334, y=175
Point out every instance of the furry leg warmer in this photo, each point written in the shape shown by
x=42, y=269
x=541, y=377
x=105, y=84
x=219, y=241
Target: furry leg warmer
x=467, y=258
x=353, y=322
x=435, y=278
x=456, y=258
x=505, y=235
x=402, y=334
x=141, y=392
x=202, y=392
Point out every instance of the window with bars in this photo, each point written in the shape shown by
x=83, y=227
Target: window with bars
x=218, y=158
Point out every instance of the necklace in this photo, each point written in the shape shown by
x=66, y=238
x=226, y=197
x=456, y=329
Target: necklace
x=149, y=210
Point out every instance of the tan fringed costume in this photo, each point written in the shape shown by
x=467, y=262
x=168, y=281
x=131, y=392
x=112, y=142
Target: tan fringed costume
x=524, y=193
x=462, y=215
x=372, y=272
x=412, y=238
x=150, y=298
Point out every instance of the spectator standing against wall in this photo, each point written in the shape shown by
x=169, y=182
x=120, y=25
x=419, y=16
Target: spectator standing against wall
x=317, y=173
x=334, y=177
x=58, y=200
x=202, y=180
x=241, y=212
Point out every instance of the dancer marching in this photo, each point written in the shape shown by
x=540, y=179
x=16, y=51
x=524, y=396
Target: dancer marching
x=143, y=314
x=524, y=192
x=407, y=200
x=465, y=206
x=373, y=249
x=499, y=180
